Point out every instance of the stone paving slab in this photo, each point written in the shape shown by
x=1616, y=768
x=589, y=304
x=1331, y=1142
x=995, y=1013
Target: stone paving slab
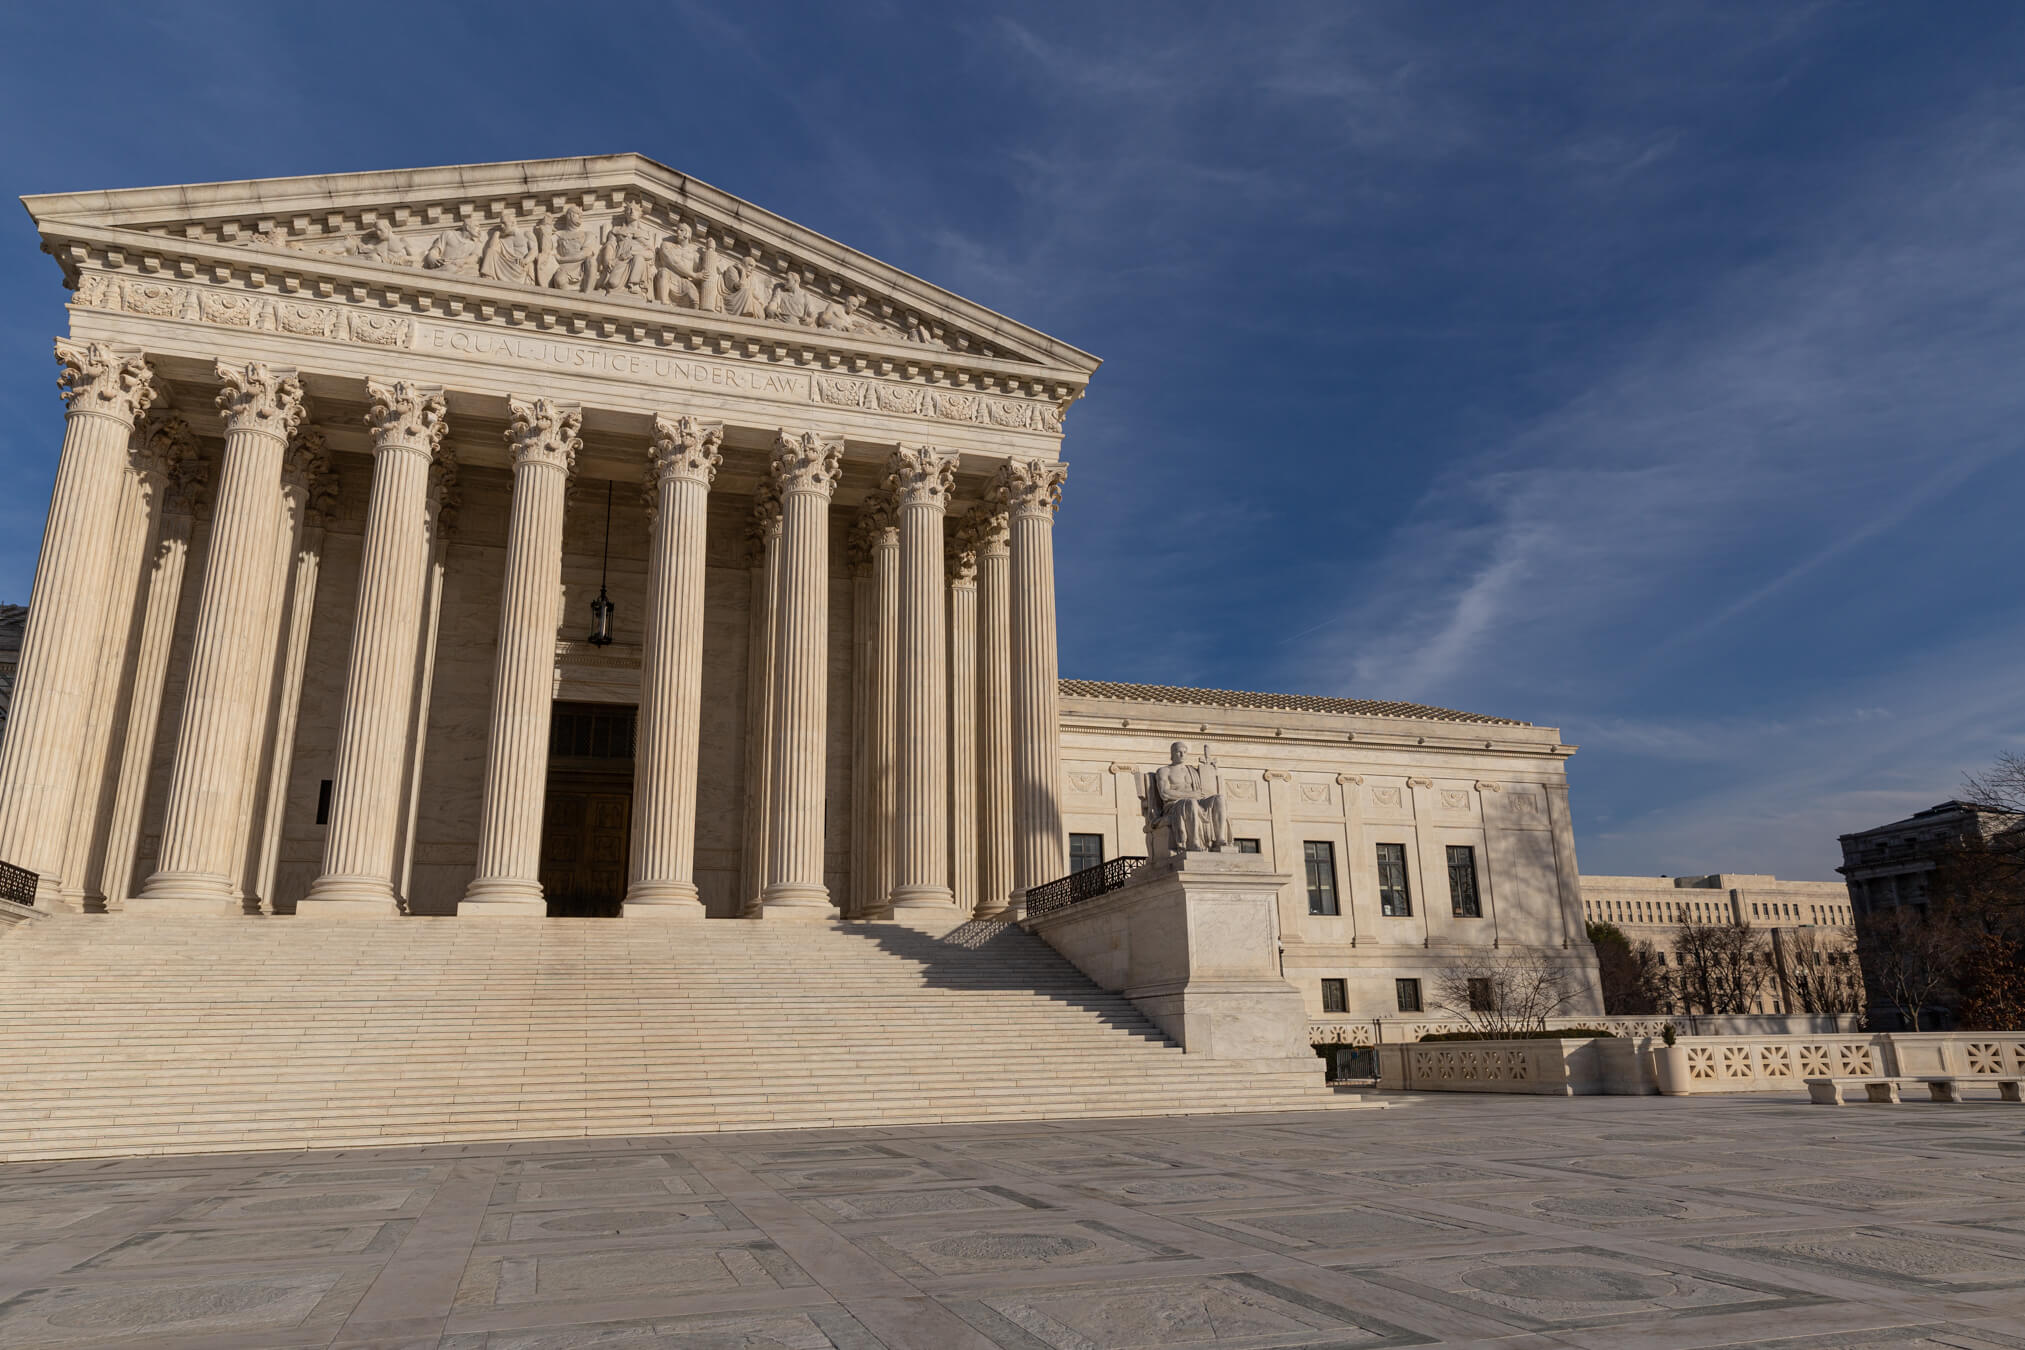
x=1521, y=1223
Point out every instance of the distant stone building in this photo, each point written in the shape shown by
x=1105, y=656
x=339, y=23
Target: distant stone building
x=1804, y=921
x=1892, y=865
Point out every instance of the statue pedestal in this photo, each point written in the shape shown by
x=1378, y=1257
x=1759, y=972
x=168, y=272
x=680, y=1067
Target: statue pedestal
x=1193, y=941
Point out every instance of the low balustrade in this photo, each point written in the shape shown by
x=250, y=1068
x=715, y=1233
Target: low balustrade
x=1642, y=1064
x=1087, y=884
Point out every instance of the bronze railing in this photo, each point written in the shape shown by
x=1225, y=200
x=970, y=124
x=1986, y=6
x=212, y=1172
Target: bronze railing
x=1087, y=884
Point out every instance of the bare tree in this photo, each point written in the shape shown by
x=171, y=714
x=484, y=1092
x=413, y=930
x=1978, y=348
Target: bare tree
x=1634, y=982
x=1722, y=967
x=1498, y=992
x=2001, y=787
x=1910, y=954
x=1826, y=977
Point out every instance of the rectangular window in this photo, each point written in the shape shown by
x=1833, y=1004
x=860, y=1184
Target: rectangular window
x=1480, y=993
x=1393, y=897
x=1409, y=994
x=1462, y=882
x=1246, y=845
x=323, y=802
x=1321, y=860
x=1335, y=996
x=1085, y=851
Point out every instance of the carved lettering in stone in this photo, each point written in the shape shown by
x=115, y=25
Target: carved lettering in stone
x=1030, y=487
x=921, y=475
x=100, y=377
x=406, y=415
x=806, y=462
x=544, y=432
x=260, y=397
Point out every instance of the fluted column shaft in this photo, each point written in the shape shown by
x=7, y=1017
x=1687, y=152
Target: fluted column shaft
x=1031, y=489
x=288, y=711
x=197, y=867
x=440, y=520
x=875, y=548
x=176, y=448
x=260, y=747
x=367, y=800
x=683, y=465
x=962, y=726
x=133, y=530
x=920, y=481
x=508, y=880
x=763, y=539
x=106, y=389
x=994, y=716
x=805, y=468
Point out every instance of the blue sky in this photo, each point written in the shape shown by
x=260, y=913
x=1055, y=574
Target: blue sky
x=1653, y=371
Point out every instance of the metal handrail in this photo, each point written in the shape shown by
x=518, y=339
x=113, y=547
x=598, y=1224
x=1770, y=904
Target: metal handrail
x=1087, y=884
x=17, y=884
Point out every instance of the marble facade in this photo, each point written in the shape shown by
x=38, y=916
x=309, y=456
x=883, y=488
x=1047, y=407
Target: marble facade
x=329, y=516
x=348, y=457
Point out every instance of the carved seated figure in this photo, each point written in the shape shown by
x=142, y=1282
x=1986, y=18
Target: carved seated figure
x=1185, y=800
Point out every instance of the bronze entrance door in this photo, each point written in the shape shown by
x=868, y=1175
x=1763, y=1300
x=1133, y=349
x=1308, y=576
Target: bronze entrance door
x=587, y=823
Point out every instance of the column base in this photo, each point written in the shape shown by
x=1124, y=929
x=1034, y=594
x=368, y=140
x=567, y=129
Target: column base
x=662, y=900
x=503, y=898
x=332, y=896
x=797, y=901
x=939, y=898
x=184, y=893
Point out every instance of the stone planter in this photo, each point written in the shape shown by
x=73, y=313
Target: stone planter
x=1670, y=1068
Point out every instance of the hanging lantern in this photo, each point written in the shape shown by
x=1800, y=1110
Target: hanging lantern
x=601, y=608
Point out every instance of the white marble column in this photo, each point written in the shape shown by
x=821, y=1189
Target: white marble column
x=128, y=543
x=805, y=467
x=175, y=446
x=197, y=868
x=762, y=539
x=681, y=468
x=920, y=479
x=1031, y=489
x=508, y=881
x=106, y=388
x=878, y=547
x=439, y=521
x=864, y=595
x=994, y=711
x=366, y=797
x=320, y=488
x=292, y=508
x=962, y=725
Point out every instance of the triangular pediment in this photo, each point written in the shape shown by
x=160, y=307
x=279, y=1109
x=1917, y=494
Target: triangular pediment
x=609, y=234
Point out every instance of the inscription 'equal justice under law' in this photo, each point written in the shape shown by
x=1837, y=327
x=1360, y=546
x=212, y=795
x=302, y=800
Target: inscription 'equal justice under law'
x=678, y=370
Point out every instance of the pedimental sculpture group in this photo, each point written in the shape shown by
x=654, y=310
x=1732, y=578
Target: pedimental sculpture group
x=568, y=537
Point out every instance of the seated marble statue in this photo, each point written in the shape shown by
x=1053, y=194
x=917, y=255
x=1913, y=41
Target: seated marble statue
x=1188, y=800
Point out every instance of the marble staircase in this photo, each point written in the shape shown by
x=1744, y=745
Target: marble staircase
x=158, y=1035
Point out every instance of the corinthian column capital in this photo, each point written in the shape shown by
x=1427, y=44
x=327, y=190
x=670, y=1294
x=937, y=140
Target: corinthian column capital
x=806, y=462
x=406, y=416
x=261, y=398
x=305, y=461
x=158, y=451
x=878, y=524
x=101, y=378
x=921, y=475
x=545, y=432
x=446, y=491
x=1030, y=487
x=685, y=448
x=763, y=530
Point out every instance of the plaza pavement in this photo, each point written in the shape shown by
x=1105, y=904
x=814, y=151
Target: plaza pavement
x=1458, y=1220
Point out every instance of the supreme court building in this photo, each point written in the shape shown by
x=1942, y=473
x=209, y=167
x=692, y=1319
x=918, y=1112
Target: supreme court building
x=570, y=537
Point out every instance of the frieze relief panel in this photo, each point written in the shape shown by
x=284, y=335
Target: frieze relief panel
x=603, y=243
x=340, y=321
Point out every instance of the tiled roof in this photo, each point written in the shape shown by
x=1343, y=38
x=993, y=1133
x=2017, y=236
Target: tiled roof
x=1231, y=698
